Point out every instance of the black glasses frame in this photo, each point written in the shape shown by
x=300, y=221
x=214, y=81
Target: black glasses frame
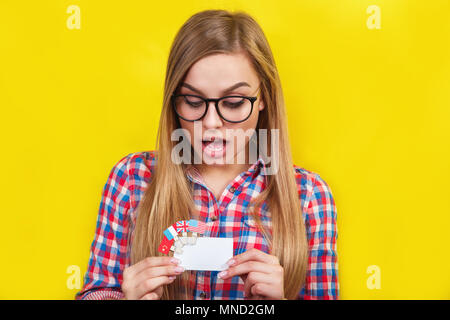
x=216, y=104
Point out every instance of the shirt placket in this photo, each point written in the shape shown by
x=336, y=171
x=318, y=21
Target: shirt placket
x=202, y=290
x=207, y=279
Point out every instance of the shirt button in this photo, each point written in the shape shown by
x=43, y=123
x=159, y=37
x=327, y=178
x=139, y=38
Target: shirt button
x=213, y=218
x=202, y=295
x=232, y=189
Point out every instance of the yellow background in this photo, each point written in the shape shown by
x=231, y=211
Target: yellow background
x=369, y=110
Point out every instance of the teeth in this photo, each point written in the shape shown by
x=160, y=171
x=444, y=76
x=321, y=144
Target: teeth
x=215, y=146
x=215, y=141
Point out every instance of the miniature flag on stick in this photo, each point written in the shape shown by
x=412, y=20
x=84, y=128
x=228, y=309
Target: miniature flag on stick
x=171, y=233
x=181, y=226
x=165, y=245
x=196, y=226
x=172, y=242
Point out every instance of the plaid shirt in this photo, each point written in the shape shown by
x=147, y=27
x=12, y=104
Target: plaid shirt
x=226, y=217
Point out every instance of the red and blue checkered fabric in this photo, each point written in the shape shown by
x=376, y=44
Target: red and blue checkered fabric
x=225, y=217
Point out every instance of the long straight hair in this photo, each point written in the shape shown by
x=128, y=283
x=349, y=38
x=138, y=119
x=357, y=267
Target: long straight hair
x=168, y=197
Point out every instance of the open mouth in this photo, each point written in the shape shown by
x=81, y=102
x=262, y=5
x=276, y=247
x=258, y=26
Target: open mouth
x=214, y=146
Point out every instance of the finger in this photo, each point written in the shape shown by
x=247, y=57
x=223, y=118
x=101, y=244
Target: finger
x=150, y=296
x=167, y=270
x=159, y=291
x=253, y=254
x=247, y=267
x=256, y=277
x=152, y=284
x=257, y=297
x=148, y=263
x=155, y=295
x=266, y=291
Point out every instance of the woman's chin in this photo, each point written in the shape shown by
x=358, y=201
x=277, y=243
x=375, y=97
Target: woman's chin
x=219, y=156
x=214, y=157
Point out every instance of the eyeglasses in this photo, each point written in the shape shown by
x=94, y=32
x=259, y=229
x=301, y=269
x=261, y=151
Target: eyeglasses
x=233, y=109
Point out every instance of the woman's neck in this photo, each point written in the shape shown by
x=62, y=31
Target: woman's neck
x=226, y=170
x=218, y=177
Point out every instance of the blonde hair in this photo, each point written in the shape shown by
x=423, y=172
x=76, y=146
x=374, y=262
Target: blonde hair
x=168, y=197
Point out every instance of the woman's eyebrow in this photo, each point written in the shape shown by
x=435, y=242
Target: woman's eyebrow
x=237, y=85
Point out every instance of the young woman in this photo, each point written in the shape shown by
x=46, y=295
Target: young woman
x=282, y=221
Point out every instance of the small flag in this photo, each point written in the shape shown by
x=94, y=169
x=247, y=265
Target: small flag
x=165, y=245
x=170, y=233
x=181, y=226
x=196, y=226
x=193, y=223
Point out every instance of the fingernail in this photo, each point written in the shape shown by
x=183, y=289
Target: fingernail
x=231, y=262
x=174, y=261
x=179, y=269
x=172, y=278
x=222, y=274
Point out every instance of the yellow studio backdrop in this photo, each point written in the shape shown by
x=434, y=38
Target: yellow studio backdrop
x=367, y=88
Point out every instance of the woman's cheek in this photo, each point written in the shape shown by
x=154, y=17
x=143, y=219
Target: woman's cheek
x=190, y=135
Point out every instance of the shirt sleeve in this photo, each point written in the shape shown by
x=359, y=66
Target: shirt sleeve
x=321, y=227
x=108, y=251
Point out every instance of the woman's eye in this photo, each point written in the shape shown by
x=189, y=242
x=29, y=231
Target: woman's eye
x=193, y=102
x=233, y=102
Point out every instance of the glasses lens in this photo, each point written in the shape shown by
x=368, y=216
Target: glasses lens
x=235, y=108
x=190, y=107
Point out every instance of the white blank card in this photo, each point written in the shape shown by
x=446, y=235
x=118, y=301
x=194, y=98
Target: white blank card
x=208, y=254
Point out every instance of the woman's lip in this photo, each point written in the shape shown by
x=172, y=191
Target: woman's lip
x=206, y=142
x=214, y=139
x=221, y=146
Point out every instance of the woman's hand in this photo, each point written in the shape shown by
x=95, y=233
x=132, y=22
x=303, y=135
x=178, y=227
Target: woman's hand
x=145, y=279
x=261, y=272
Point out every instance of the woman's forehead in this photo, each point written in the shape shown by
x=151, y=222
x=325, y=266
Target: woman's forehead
x=214, y=73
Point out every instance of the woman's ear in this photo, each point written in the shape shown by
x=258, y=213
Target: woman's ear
x=261, y=106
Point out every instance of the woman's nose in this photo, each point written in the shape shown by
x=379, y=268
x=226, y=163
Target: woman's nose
x=212, y=118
